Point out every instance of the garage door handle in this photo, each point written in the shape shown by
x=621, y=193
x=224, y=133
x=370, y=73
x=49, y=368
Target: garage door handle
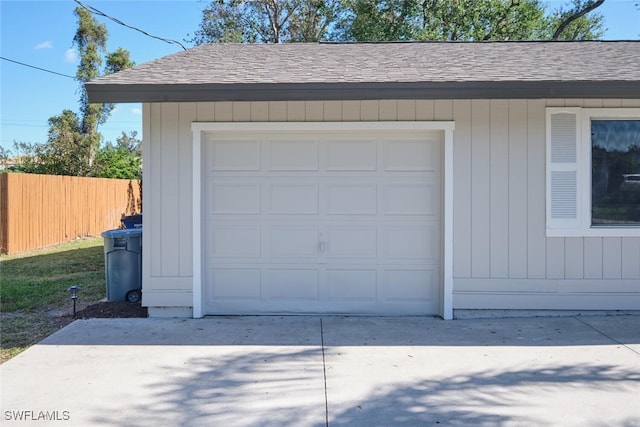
x=321, y=247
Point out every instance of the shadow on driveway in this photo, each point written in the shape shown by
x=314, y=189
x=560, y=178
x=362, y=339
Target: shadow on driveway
x=318, y=371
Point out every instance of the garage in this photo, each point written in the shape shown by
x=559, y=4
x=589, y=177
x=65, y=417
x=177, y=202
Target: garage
x=304, y=221
x=264, y=193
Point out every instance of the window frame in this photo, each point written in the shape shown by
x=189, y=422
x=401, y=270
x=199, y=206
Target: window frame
x=580, y=226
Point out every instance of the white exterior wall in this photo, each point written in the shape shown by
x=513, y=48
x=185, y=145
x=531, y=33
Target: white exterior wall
x=501, y=257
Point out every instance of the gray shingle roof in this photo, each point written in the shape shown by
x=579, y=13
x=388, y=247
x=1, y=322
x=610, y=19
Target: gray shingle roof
x=380, y=70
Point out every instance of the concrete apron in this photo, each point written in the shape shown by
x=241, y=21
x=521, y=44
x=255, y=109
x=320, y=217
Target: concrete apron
x=318, y=371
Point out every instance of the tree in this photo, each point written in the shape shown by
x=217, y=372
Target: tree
x=468, y=20
x=369, y=20
x=313, y=21
x=122, y=160
x=266, y=21
x=73, y=139
x=129, y=142
x=66, y=150
x=91, y=41
x=572, y=24
x=63, y=154
x=5, y=155
x=274, y=21
x=117, y=162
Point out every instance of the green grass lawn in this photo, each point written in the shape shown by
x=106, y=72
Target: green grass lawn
x=34, y=299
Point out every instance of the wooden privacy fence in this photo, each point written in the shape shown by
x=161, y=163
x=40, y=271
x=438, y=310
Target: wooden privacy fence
x=37, y=211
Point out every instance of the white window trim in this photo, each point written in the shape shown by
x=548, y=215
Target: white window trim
x=581, y=226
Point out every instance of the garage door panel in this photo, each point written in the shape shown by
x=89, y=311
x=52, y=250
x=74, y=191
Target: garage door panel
x=352, y=242
x=234, y=283
x=408, y=285
x=411, y=242
x=349, y=155
x=287, y=284
x=293, y=155
x=293, y=241
x=293, y=199
x=356, y=285
x=411, y=199
x=346, y=199
x=415, y=155
x=237, y=241
x=235, y=199
x=234, y=155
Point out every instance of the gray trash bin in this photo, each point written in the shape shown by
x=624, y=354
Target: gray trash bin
x=123, y=264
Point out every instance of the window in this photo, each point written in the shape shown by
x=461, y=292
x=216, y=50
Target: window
x=615, y=172
x=593, y=172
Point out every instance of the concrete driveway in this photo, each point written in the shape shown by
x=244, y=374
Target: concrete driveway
x=336, y=371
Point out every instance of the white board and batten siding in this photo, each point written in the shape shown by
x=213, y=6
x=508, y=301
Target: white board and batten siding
x=501, y=257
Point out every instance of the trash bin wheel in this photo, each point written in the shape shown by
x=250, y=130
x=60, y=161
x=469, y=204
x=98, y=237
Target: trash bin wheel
x=134, y=296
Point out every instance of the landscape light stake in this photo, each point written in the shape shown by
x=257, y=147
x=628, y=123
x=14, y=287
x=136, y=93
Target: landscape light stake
x=74, y=296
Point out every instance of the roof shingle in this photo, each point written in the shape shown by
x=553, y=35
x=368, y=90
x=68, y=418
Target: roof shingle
x=217, y=71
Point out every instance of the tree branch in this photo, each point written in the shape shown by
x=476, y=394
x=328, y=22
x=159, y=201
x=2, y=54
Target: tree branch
x=500, y=22
x=398, y=21
x=568, y=20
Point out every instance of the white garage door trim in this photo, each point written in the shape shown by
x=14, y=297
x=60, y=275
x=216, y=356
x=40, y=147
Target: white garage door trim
x=198, y=129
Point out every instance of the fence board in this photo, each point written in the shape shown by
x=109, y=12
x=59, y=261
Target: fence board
x=37, y=211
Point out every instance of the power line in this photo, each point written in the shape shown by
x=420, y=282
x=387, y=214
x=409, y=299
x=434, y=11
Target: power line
x=117, y=21
x=23, y=125
x=37, y=68
x=97, y=12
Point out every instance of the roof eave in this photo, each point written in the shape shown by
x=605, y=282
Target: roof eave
x=187, y=92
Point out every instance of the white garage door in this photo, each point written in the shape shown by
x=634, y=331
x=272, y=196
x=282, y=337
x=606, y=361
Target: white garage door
x=322, y=223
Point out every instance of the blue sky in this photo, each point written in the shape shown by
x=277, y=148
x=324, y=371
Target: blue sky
x=40, y=33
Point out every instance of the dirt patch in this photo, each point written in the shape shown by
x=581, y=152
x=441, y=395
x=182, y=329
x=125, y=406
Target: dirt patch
x=112, y=309
x=21, y=329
